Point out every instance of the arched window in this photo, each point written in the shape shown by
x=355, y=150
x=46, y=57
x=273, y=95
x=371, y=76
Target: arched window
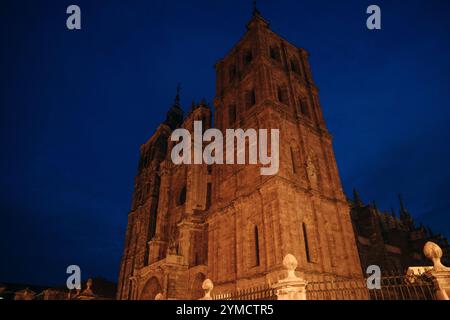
x=248, y=57
x=182, y=196
x=275, y=53
x=294, y=170
x=153, y=217
x=255, y=253
x=294, y=66
x=283, y=94
x=208, y=195
x=232, y=72
x=305, y=238
x=250, y=98
x=304, y=109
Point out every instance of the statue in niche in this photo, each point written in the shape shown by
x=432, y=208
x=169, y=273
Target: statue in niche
x=173, y=242
x=312, y=172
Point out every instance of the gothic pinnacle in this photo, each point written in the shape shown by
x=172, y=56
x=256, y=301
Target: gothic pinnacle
x=177, y=97
x=402, y=205
x=357, y=199
x=393, y=213
x=374, y=204
x=193, y=106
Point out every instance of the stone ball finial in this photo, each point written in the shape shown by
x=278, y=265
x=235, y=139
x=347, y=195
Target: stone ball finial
x=290, y=263
x=88, y=291
x=433, y=252
x=207, y=285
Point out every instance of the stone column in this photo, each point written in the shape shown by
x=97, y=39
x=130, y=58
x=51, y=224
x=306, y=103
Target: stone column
x=440, y=273
x=292, y=287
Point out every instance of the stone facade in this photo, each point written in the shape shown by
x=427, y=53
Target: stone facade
x=229, y=223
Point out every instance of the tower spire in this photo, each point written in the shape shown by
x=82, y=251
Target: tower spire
x=257, y=19
x=255, y=8
x=174, y=116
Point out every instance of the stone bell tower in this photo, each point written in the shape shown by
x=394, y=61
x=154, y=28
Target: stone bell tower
x=227, y=222
x=265, y=82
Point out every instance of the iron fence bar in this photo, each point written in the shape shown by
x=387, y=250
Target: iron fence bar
x=415, y=291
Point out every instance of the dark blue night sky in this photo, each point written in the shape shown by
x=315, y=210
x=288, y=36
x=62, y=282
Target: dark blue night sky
x=76, y=105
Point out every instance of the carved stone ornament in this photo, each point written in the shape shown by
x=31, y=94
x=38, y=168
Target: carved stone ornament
x=433, y=252
x=208, y=286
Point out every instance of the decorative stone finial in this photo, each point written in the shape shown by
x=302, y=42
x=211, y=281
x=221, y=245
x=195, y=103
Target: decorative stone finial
x=357, y=199
x=290, y=263
x=208, y=286
x=433, y=252
x=291, y=287
x=88, y=291
x=89, y=284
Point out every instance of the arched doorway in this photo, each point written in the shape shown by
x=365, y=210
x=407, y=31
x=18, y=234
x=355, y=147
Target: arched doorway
x=196, y=290
x=151, y=289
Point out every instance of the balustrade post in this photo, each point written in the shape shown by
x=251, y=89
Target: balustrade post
x=208, y=286
x=292, y=287
x=440, y=273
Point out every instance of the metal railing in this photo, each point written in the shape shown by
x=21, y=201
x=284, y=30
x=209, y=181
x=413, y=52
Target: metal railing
x=393, y=287
x=337, y=290
x=264, y=292
x=400, y=287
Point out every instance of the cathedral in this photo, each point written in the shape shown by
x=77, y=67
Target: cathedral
x=392, y=242
x=228, y=222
